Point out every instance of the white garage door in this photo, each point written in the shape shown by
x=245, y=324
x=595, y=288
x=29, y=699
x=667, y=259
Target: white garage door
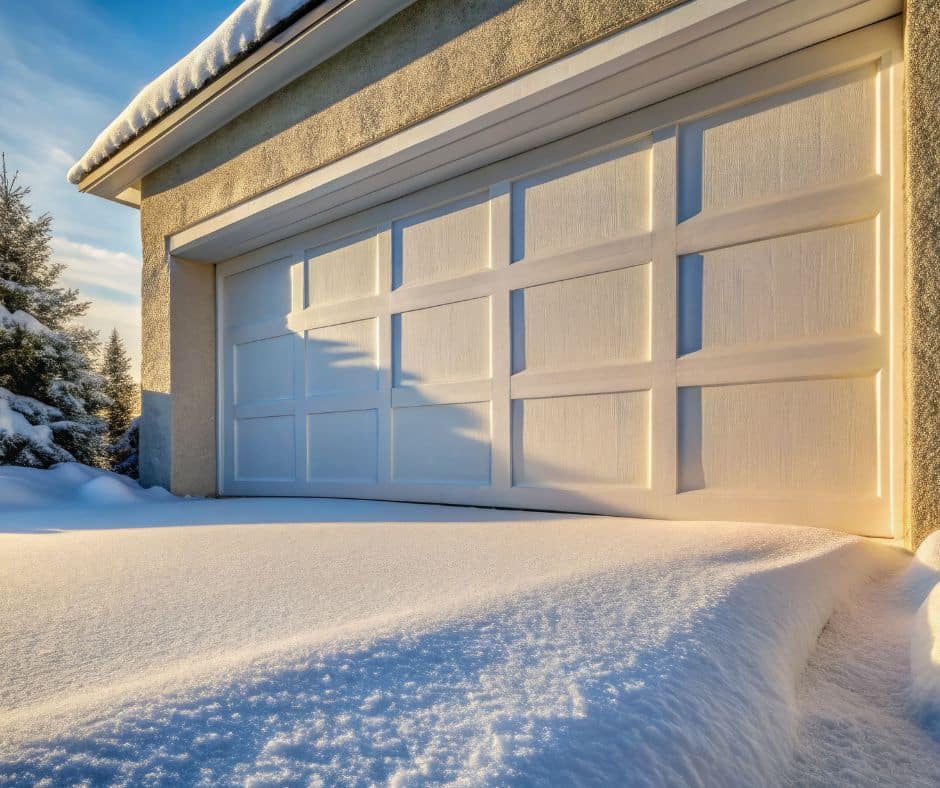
x=694, y=321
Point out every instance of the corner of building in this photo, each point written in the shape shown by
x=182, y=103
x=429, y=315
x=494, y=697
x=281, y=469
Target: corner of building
x=922, y=278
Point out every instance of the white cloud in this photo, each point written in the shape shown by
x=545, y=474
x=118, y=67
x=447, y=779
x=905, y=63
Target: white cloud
x=60, y=156
x=111, y=281
x=92, y=265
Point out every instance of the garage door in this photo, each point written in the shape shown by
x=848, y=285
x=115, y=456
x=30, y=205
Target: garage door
x=685, y=312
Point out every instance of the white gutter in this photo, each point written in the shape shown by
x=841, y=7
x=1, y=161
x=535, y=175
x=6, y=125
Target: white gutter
x=312, y=39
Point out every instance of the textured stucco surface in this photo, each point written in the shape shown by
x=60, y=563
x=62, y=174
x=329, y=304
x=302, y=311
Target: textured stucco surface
x=432, y=55
x=922, y=357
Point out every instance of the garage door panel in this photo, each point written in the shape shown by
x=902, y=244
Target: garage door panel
x=442, y=344
x=342, y=271
x=343, y=447
x=343, y=357
x=821, y=134
x=438, y=444
x=580, y=204
x=264, y=449
x=583, y=322
x=810, y=286
x=262, y=293
x=799, y=436
x=582, y=440
x=264, y=369
x=442, y=244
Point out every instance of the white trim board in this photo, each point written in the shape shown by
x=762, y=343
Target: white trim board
x=681, y=49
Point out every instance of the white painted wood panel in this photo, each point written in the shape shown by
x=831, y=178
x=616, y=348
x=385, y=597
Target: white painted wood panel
x=694, y=318
x=819, y=134
x=258, y=294
x=583, y=322
x=816, y=285
x=442, y=344
x=437, y=444
x=264, y=449
x=588, y=439
x=797, y=436
x=264, y=369
x=343, y=357
x=582, y=203
x=442, y=244
x=342, y=447
x=342, y=271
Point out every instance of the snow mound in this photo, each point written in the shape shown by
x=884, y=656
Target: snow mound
x=925, y=662
x=928, y=554
x=244, y=29
x=924, y=571
x=69, y=484
x=924, y=580
x=106, y=490
x=357, y=644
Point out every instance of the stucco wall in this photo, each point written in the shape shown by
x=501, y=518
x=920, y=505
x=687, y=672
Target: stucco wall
x=432, y=55
x=922, y=357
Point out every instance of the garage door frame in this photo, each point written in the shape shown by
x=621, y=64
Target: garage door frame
x=661, y=246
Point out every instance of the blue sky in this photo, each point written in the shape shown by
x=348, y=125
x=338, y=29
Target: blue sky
x=68, y=67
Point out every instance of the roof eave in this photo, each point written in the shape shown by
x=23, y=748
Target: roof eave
x=316, y=36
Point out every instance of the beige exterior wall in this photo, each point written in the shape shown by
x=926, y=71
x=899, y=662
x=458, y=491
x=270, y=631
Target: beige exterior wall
x=922, y=346
x=431, y=56
x=434, y=54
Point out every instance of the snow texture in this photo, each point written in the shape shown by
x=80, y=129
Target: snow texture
x=15, y=423
x=297, y=642
x=924, y=583
x=33, y=441
x=21, y=319
x=245, y=28
x=68, y=484
x=856, y=724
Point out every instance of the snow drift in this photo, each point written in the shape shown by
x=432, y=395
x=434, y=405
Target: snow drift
x=324, y=642
x=924, y=581
x=66, y=485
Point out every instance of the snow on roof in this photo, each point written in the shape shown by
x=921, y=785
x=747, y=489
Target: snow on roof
x=247, y=27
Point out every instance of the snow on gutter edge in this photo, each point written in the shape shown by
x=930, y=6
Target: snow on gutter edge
x=251, y=24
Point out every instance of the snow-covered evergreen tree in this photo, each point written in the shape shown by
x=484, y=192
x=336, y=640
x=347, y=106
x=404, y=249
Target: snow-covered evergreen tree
x=119, y=386
x=124, y=451
x=124, y=395
x=50, y=394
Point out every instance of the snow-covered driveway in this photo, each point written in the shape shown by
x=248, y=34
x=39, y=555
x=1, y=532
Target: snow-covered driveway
x=294, y=642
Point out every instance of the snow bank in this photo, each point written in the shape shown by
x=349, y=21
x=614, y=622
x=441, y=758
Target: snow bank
x=855, y=723
x=924, y=583
x=68, y=484
x=925, y=662
x=244, y=29
x=343, y=642
x=924, y=572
